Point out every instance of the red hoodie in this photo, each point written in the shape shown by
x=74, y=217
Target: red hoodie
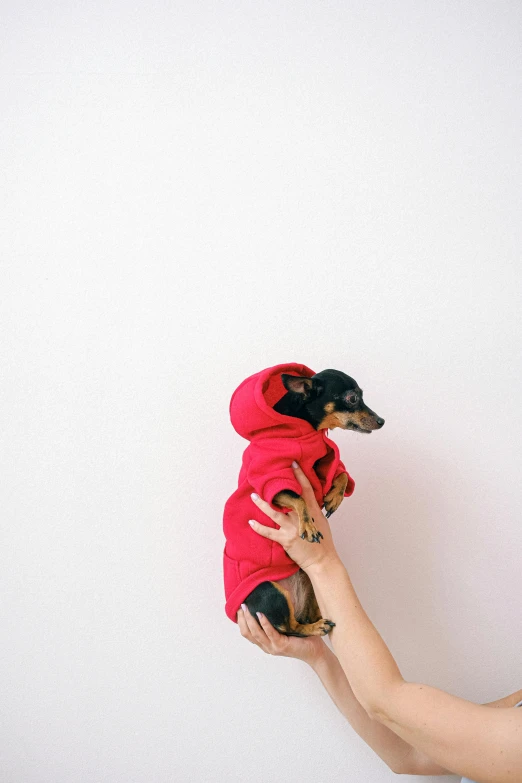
x=275, y=441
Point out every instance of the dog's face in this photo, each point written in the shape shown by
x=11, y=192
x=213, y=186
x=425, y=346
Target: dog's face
x=333, y=399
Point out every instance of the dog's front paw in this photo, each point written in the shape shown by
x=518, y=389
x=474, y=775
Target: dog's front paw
x=332, y=501
x=334, y=498
x=308, y=530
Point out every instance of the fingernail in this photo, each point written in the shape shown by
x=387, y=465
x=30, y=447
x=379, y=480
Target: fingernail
x=251, y=522
x=294, y=464
x=260, y=615
x=254, y=496
x=243, y=607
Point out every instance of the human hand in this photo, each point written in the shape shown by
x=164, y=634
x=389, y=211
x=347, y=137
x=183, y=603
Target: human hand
x=306, y=555
x=310, y=649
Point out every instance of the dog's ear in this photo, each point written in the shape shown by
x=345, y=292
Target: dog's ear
x=296, y=383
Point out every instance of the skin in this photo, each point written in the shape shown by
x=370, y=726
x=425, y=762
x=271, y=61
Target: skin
x=414, y=728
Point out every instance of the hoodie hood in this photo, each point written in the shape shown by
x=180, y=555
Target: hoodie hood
x=251, y=407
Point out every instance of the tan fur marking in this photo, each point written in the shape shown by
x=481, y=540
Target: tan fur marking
x=288, y=598
x=303, y=597
x=284, y=500
x=342, y=418
x=318, y=628
x=331, y=421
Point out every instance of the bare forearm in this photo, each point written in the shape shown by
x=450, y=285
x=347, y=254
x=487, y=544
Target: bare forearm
x=360, y=649
x=507, y=701
x=392, y=749
x=444, y=730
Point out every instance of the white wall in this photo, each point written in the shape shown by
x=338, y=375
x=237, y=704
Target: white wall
x=192, y=192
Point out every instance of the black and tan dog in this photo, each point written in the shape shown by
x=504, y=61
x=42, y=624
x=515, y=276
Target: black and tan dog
x=329, y=399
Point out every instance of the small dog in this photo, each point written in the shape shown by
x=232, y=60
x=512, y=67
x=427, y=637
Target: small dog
x=327, y=400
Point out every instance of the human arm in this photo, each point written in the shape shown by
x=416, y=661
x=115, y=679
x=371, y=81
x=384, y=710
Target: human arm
x=445, y=728
x=508, y=701
x=393, y=750
x=436, y=724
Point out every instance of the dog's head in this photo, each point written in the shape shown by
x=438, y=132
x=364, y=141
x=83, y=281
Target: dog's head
x=332, y=399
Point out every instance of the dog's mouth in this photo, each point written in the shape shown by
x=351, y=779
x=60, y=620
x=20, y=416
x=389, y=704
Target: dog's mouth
x=356, y=428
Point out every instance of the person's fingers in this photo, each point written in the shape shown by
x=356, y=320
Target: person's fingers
x=276, y=516
x=273, y=636
x=243, y=627
x=265, y=531
x=256, y=632
x=301, y=476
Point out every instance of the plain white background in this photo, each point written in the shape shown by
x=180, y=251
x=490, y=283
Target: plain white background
x=191, y=192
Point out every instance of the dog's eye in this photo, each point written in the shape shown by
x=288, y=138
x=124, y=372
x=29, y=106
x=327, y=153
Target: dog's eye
x=352, y=399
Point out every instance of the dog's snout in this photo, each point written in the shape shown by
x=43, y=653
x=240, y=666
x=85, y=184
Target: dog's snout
x=379, y=421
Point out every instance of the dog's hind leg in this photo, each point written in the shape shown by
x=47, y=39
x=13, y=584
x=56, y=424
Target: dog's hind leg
x=275, y=602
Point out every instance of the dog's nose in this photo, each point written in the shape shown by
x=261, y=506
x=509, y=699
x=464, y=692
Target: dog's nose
x=380, y=422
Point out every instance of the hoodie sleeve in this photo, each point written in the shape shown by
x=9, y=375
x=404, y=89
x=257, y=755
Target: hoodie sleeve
x=351, y=483
x=270, y=471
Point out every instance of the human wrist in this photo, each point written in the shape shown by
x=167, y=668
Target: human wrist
x=322, y=659
x=323, y=565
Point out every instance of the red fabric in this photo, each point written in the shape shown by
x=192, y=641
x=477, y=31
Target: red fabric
x=275, y=442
